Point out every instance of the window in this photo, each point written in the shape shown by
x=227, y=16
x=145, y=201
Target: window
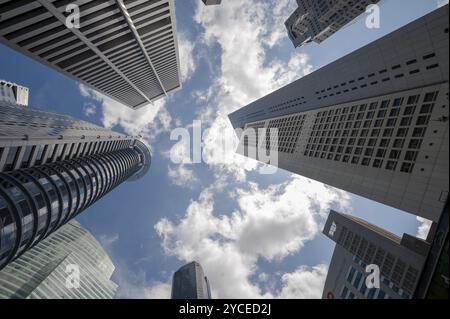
x=398, y=143
x=426, y=108
x=391, y=165
x=395, y=154
x=344, y=293
x=29, y=150
x=413, y=99
x=423, y=120
x=415, y=144
x=377, y=163
x=411, y=156
x=11, y=158
x=407, y=167
x=351, y=274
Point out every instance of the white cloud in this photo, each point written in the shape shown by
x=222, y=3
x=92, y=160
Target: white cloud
x=108, y=241
x=441, y=3
x=89, y=109
x=133, y=285
x=244, y=31
x=187, y=62
x=148, y=121
x=269, y=223
x=424, y=227
x=182, y=176
x=304, y=283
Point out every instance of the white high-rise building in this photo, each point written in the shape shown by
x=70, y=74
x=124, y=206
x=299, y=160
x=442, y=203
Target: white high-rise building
x=374, y=123
x=125, y=49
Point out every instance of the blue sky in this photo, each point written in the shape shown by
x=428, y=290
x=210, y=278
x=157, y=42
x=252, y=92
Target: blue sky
x=255, y=235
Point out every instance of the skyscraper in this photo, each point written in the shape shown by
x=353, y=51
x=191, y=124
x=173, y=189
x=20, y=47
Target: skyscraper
x=52, y=167
x=13, y=93
x=317, y=20
x=125, y=49
x=374, y=123
x=68, y=264
x=212, y=2
x=360, y=244
x=190, y=282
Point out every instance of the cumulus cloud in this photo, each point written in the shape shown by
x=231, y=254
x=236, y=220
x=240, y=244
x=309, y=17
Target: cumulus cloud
x=245, y=32
x=89, y=109
x=133, y=285
x=269, y=223
x=304, y=283
x=182, y=176
x=148, y=121
x=187, y=62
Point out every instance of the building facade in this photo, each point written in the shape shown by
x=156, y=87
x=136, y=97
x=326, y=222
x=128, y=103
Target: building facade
x=374, y=123
x=190, y=282
x=68, y=264
x=125, y=49
x=317, y=20
x=359, y=245
x=13, y=93
x=52, y=167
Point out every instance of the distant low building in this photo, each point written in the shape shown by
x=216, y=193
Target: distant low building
x=190, y=282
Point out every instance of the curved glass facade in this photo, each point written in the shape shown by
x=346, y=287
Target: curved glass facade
x=52, y=167
x=36, y=201
x=47, y=270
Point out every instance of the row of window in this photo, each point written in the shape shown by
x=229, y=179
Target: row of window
x=50, y=153
x=394, y=269
x=370, y=76
x=382, y=134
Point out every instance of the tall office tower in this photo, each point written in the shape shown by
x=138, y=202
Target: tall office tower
x=374, y=123
x=360, y=244
x=211, y=2
x=125, y=49
x=190, y=282
x=52, y=167
x=317, y=20
x=68, y=264
x=13, y=93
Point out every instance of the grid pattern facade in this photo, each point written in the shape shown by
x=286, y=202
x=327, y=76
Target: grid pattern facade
x=126, y=49
x=52, y=169
x=359, y=244
x=376, y=120
x=386, y=134
x=403, y=134
x=40, y=273
x=414, y=56
x=316, y=20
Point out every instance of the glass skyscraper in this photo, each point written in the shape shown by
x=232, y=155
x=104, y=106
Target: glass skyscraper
x=69, y=264
x=52, y=167
x=190, y=282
